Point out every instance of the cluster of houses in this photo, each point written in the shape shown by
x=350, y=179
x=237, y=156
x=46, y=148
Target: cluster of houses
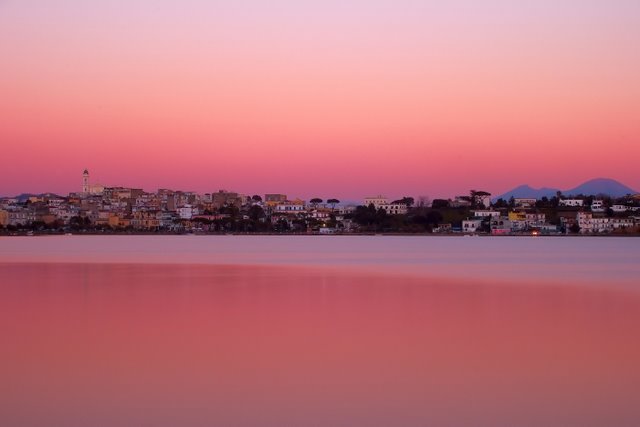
x=572, y=215
x=134, y=209
x=130, y=208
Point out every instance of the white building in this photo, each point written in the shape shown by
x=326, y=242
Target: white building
x=327, y=230
x=395, y=209
x=621, y=208
x=597, y=206
x=471, y=225
x=376, y=201
x=535, y=219
x=381, y=202
x=460, y=201
x=297, y=206
x=344, y=210
x=500, y=225
x=571, y=202
x=320, y=214
x=590, y=224
x=486, y=213
x=617, y=223
x=187, y=211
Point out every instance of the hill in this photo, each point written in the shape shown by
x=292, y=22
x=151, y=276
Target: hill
x=24, y=196
x=596, y=186
x=529, y=192
x=607, y=186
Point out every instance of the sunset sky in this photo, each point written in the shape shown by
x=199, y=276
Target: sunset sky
x=332, y=98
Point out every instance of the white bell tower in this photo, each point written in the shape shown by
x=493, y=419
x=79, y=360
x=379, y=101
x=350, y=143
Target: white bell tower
x=85, y=182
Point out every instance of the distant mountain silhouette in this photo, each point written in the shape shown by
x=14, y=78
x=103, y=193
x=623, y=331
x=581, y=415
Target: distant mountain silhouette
x=25, y=196
x=596, y=186
x=529, y=192
x=593, y=187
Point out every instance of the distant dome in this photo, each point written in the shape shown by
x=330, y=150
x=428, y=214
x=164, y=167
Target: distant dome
x=86, y=172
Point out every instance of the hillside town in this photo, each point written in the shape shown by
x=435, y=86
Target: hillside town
x=102, y=209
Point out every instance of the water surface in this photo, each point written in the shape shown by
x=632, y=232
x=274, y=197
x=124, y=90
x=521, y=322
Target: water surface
x=123, y=331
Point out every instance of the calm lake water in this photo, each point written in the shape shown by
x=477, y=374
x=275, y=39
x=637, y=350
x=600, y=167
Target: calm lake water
x=319, y=331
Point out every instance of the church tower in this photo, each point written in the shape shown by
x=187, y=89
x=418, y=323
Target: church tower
x=85, y=182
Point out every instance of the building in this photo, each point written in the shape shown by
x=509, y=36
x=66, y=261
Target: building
x=377, y=201
x=485, y=213
x=19, y=217
x=571, y=202
x=145, y=220
x=187, y=211
x=395, y=208
x=460, y=202
x=381, y=202
x=274, y=199
x=524, y=202
x=295, y=206
x=617, y=223
x=500, y=225
x=85, y=182
x=535, y=219
x=88, y=188
x=589, y=223
x=618, y=208
x=471, y=225
x=327, y=230
x=443, y=228
x=345, y=210
x=517, y=216
x=226, y=198
x=597, y=206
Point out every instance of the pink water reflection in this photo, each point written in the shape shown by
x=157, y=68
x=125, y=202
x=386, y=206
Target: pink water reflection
x=151, y=345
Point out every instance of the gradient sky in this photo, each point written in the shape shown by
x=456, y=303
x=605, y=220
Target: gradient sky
x=332, y=98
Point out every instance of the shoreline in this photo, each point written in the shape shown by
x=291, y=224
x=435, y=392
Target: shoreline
x=386, y=234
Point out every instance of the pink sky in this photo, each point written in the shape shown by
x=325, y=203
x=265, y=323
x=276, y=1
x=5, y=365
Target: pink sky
x=336, y=99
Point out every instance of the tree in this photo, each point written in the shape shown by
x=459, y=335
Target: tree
x=408, y=201
x=434, y=217
x=439, y=204
x=256, y=213
x=477, y=197
x=256, y=198
x=333, y=202
x=282, y=225
x=315, y=201
x=543, y=202
x=423, y=201
x=77, y=223
x=365, y=215
x=500, y=203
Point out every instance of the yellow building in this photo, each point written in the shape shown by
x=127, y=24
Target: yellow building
x=517, y=216
x=4, y=218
